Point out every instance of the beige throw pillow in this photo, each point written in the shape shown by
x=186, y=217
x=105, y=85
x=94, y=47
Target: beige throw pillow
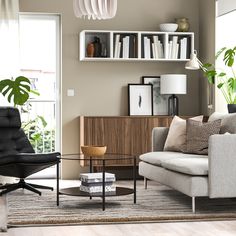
x=198, y=134
x=176, y=137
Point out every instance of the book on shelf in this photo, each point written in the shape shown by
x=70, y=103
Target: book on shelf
x=116, y=49
x=125, y=41
x=147, y=48
x=170, y=49
x=97, y=177
x=174, y=48
x=183, y=48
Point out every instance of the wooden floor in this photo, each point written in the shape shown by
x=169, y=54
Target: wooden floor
x=211, y=228
x=222, y=228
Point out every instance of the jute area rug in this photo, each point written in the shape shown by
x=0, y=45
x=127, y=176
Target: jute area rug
x=158, y=203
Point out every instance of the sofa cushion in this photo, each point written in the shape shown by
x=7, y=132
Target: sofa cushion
x=188, y=164
x=176, y=137
x=228, y=122
x=198, y=134
x=156, y=158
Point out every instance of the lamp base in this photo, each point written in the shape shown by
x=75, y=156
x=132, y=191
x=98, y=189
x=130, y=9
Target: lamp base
x=173, y=105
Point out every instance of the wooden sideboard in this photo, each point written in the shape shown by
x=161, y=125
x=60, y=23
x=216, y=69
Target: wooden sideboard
x=121, y=134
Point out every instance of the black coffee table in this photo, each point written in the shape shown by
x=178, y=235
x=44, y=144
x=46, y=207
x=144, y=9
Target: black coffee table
x=120, y=191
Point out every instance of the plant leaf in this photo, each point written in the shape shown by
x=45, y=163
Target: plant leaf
x=219, y=86
x=17, y=90
x=222, y=74
x=43, y=121
x=229, y=57
x=220, y=52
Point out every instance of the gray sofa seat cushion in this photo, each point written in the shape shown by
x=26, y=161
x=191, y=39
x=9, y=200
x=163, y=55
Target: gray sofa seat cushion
x=156, y=158
x=188, y=164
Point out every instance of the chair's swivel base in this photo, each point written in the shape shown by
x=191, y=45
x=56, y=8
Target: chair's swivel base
x=22, y=184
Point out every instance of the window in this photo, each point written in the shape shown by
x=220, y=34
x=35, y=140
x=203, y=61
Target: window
x=40, y=62
x=225, y=37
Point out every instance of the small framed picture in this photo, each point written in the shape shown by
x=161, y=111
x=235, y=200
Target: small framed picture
x=160, y=101
x=140, y=99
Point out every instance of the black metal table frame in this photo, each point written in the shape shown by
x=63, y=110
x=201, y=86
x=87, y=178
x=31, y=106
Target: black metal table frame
x=91, y=159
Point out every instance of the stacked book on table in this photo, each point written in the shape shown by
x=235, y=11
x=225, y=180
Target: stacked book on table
x=93, y=182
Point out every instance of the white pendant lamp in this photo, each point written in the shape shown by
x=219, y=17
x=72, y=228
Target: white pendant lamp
x=95, y=9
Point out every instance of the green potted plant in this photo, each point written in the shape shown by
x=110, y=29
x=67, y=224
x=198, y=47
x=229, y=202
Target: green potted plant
x=16, y=90
x=225, y=79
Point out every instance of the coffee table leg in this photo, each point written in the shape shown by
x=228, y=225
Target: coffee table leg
x=91, y=168
x=58, y=183
x=103, y=185
x=134, y=176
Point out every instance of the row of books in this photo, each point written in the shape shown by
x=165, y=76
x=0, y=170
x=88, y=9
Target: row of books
x=125, y=46
x=92, y=182
x=153, y=48
x=177, y=49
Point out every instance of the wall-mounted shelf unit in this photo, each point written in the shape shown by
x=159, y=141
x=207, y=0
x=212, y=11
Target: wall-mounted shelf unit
x=138, y=45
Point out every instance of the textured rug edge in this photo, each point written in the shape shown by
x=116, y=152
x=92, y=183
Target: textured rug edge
x=159, y=219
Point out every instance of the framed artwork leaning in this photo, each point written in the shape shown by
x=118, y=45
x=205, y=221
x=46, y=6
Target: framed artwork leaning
x=140, y=97
x=160, y=101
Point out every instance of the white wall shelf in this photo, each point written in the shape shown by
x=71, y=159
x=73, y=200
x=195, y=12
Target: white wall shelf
x=163, y=46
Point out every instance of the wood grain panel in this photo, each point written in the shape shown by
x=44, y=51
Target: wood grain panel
x=122, y=134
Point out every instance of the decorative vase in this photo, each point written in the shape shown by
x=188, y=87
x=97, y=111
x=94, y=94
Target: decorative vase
x=90, y=50
x=97, y=47
x=183, y=24
x=231, y=108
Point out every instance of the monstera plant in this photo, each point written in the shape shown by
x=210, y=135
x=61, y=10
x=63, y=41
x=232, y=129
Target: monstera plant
x=224, y=78
x=16, y=91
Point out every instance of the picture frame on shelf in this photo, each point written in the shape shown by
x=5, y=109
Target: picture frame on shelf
x=140, y=99
x=160, y=101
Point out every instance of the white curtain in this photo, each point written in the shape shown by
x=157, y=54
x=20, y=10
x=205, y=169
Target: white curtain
x=9, y=47
x=9, y=38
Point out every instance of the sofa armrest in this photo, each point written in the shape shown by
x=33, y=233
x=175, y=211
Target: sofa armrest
x=222, y=166
x=159, y=135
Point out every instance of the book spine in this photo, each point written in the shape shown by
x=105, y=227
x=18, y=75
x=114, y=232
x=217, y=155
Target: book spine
x=154, y=51
x=97, y=189
x=174, y=47
x=116, y=55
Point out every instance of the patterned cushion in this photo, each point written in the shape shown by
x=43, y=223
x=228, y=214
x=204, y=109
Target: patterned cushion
x=198, y=134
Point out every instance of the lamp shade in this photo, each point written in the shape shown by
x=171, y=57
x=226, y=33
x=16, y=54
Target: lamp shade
x=173, y=84
x=193, y=63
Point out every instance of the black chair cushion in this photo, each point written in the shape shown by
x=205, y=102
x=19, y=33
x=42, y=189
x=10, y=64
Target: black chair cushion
x=13, y=141
x=27, y=158
x=9, y=117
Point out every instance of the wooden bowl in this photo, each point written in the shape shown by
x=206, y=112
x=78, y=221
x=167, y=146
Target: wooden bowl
x=93, y=150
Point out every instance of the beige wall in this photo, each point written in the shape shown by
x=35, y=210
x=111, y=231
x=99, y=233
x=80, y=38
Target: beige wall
x=101, y=87
x=207, y=50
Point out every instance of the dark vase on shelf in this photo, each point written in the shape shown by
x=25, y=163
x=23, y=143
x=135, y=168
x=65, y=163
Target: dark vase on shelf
x=231, y=108
x=97, y=47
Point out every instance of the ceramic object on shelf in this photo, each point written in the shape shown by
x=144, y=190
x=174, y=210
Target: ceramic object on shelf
x=93, y=151
x=168, y=27
x=90, y=50
x=183, y=24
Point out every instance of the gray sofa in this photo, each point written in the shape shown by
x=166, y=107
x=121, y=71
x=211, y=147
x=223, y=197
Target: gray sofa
x=194, y=175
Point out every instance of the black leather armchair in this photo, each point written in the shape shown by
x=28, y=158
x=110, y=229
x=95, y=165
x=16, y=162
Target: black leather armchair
x=17, y=157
